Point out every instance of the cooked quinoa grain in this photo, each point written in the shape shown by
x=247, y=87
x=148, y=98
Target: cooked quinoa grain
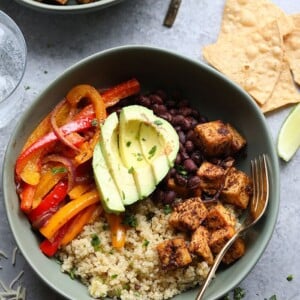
x=133, y=272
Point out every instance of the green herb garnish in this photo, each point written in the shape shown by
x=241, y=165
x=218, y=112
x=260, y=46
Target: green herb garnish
x=181, y=170
x=152, y=152
x=238, y=293
x=114, y=276
x=130, y=220
x=273, y=297
x=95, y=242
x=167, y=209
x=95, y=123
x=158, y=122
x=72, y=273
x=128, y=144
x=290, y=277
x=57, y=170
x=131, y=170
x=146, y=243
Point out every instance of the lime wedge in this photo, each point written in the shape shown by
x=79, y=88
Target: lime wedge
x=289, y=135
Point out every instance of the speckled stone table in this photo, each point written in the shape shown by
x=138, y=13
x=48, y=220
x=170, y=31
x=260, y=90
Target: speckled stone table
x=55, y=42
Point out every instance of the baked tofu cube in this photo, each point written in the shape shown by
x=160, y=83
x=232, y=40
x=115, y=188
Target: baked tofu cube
x=213, y=138
x=219, y=238
x=189, y=214
x=237, y=188
x=173, y=253
x=236, y=251
x=199, y=244
x=238, y=141
x=218, y=216
x=211, y=177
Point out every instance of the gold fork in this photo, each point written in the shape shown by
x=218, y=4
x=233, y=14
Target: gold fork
x=257, y=207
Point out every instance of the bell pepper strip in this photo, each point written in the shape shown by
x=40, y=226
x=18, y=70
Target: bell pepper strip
x=26, y=197
x=31, y=171
x=123, y=90
x=48, y=139
x=118, y=230
x=48, y=247
x=78, y=222
x=79, y=189
x=49, y=179
x=67, y=212
x=50, y=202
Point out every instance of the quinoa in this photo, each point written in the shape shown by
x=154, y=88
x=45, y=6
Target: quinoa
x=133, y=272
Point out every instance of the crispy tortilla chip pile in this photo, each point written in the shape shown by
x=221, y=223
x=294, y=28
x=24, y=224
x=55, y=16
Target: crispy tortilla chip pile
x=258, y=47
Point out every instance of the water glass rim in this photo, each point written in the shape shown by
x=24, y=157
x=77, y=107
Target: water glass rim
x=8, y=22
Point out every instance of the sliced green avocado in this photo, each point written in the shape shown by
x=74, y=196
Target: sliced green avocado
x=131, y=151
x=109, y=193
x=121, y=174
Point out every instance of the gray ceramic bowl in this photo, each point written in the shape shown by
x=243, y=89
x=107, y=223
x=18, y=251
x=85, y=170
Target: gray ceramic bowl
x=71, y=7
x=214, y=96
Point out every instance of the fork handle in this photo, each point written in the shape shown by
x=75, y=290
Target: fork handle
x=215, y=265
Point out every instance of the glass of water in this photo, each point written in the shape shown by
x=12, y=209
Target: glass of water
x=13, y=54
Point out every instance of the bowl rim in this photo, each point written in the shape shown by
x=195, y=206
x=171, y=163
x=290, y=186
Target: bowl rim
x=272, y=155
x=72, y=8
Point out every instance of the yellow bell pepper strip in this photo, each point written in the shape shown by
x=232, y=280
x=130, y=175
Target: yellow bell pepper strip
x=67, y=212
x=50, y=204
x=118, y=230
x=79, y=221
x=123, y=90
x=48, y=247
x=26, y=197
x=78, y=190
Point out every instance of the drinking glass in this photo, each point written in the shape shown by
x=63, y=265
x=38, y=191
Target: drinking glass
x=13, y=54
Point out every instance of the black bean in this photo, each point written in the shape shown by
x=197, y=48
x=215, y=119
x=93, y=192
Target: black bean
x=144, y=100
x=170, y=103
x=195, y=114
x=178, y=159
x=156, y=99
x=178, y=120
x=190, y=165
x=189, y=146
x=169, y=197
x=173, y=111
x=186, y=124
x=177, y=128
x=167, y=116
x=193, y=182
x=162, y=94
x=190, y=135
x=183, y=103
x=185, y=111
x=196, y=157
x=180, y=179
x=181, y=136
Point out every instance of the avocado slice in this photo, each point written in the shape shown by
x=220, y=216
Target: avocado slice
x=131, y=151
x=109, y=193
x=121, y=174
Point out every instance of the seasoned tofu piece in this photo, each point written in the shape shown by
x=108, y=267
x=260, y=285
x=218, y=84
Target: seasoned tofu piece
x=238, y=141
x=217, y=138
x=237, y=250
x=219, y=238
x=237, y=188
x=218, y=216
x=199, y=244
x=214, y=138
x=173, y=253
x=211, y=177
x=189, y=214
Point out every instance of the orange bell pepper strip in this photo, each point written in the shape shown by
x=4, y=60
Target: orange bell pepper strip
x=26, y=197
x=67, y=212
x=79, y=189
x=79, y=221
x=123, y=90
x=118, y=230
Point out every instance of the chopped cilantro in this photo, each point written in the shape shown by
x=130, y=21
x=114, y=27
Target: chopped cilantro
x=238, y=293
x=152, y=152
x=158, y=122
x=226, y=297
x=123, y=195
x=72, y=273
x=181, y=170
x=273, y=297
x=94, y=123
x=126, y=287
x=167, y=209
x=144, y=140
x=105, y=226
x=146, y=243
x=290, y=277
x=57, y=170
x=130, y=220
x=128, y=144
x=95, y=241
x=130, y=170
x=114, y=276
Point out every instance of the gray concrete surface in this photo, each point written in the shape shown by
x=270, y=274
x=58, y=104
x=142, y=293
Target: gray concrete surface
x=55, y=42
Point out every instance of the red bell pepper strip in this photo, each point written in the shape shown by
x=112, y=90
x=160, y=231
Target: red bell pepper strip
x=26, y=197
x=46, y=140
x=50, y=202
x=49, y=248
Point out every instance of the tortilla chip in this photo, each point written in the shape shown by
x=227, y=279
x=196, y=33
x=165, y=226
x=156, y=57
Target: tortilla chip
x=292, y=48
x=252, y=60
x=284, y=92
x=244, y=16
